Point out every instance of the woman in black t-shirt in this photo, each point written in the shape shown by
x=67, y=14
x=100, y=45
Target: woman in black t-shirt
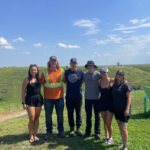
x=122, y=105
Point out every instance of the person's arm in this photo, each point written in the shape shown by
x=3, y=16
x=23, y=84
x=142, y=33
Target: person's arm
x=99, y=81
x=64, y=78
x=42, y=79
x=112, y=80
x=128, y=94
x=24, y=86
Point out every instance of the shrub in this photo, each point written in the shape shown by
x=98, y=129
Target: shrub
x=135, y=87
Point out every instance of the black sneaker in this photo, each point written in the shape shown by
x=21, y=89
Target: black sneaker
x=71, y=132
x=97, y=136
x=79, y=132
x=62, y=134
x=47, y=135
x=87, y=135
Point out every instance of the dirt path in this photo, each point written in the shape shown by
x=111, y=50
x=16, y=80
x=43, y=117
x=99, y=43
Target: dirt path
x=12, y=115
x=138, y=81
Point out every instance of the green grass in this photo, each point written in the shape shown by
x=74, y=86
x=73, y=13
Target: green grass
x=12, y=78
x=14, y=133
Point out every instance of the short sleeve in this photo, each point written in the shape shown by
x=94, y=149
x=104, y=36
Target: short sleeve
x=99, y=75
x=42, y=78
x=127, y=87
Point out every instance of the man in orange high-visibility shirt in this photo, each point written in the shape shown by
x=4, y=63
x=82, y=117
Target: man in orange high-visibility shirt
x=52, y=79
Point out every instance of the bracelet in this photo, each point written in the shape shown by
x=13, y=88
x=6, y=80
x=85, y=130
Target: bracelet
x=23, y=103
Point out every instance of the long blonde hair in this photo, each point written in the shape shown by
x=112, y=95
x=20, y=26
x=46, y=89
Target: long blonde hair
x=58, y=65
x=116, y=82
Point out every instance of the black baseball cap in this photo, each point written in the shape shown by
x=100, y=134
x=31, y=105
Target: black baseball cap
x=53, y=58
x=90, y=62
x=121, y=72
x=73, y=60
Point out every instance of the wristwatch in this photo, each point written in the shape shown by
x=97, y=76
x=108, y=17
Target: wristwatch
x=23, y=103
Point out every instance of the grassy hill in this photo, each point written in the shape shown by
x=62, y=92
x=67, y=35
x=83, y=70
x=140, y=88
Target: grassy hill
x=12, y=78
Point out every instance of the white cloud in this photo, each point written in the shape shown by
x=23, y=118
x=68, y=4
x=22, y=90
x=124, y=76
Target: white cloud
x=26, y=53
x=126, y=32
x=111, y=38
x=136, y=21
x=5, y=44
x=3, y=41
x=69, y=46
x=90, y=24
x=130, y=47
x=7, y=47
x=148, y=52
x=38, y=45
x=18, y=39
x=134, y=27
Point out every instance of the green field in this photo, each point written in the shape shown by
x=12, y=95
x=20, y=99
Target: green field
x=12, y=78
x=14, y=133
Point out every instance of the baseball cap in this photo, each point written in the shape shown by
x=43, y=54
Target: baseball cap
x=53, y=58
x=121, y=72
x=73, y=60
x=104, y=69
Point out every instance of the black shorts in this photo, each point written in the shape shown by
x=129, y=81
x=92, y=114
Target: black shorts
x=120, y=116
x=34, y=101
x=105, y=107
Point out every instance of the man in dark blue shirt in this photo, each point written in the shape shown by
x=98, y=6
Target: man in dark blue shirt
x=74, y=78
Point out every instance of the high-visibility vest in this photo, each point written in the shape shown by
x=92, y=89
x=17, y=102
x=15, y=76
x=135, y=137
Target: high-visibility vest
x=52, y=85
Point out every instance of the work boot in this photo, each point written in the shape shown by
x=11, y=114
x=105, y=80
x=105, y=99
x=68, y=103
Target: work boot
x=62, y=134
x=47, y=135
x=79, y=132
x=71, y=132
x=97, y=136
x=87, y=135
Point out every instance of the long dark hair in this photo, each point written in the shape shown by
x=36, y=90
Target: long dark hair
x=37, y=75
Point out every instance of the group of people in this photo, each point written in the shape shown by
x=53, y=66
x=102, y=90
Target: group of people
x=107, y=96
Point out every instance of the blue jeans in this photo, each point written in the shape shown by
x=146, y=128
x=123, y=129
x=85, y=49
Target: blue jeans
x=59, y=106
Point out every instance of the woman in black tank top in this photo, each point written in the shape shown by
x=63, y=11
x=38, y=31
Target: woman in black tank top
x=106, y=103
x=33, y=100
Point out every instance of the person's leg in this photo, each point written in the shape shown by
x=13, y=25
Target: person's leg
x=31, y=114
x=97, y=119
x=88, y=109
x=48, y=105
x=59, y=106
x=78, y=105
x=123, y=127
x=70, y=109
x=108, y=121
x=124, y=132
x=103, y=114
x=36, y=120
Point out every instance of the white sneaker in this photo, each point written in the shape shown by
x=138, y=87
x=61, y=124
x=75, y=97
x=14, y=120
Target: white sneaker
x=106, y=140
x=110, y=141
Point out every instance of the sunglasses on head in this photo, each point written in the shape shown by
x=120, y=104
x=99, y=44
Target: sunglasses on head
x=33, y=65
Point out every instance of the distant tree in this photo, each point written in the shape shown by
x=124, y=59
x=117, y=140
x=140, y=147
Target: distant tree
x=118, y=63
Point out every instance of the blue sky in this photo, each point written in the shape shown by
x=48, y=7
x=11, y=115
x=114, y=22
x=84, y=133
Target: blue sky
x=104, y=31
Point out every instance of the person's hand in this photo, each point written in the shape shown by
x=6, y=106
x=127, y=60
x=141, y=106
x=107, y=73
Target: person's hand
x=24, y=106
x=126, y=113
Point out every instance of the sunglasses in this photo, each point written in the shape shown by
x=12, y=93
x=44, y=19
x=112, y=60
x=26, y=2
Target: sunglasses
x=33, y=65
